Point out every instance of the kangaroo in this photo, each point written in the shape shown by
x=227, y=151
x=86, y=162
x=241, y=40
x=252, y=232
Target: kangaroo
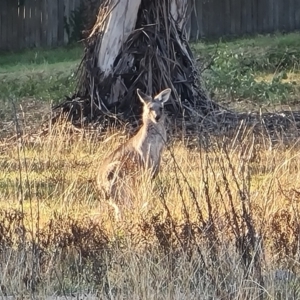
x=140, y=153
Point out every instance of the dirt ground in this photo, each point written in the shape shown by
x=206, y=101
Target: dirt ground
x=28, y=113
x=31, y=112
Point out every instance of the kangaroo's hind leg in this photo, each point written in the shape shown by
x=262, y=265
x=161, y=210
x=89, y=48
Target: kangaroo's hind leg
x=120, y=199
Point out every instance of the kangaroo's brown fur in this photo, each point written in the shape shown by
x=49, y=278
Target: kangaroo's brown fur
x=142, y=152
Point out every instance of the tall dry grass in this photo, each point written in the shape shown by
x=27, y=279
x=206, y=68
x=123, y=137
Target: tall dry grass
x=218, y=223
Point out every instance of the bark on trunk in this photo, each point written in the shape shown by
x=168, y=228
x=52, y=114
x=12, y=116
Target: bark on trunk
x=120, y=22
x=179, y=12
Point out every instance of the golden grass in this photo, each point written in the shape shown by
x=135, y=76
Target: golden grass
x=291, y=77
x=214, y=223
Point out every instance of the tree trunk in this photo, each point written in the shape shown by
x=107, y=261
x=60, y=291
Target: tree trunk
x=137, y=44
x=115, y=30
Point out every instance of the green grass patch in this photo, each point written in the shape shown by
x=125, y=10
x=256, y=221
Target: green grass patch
x=261, y=69
x=261, y=53
x=43, y=74
x=34, y=57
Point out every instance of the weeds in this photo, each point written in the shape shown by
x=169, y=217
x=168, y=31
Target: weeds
x=227, y=77
x=262, y=69
x=216, y=224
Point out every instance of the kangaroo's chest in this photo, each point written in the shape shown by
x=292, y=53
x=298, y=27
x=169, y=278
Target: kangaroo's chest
x=153, y=144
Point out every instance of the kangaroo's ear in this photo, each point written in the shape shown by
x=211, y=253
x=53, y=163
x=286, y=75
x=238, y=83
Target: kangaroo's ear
x=143, y=97
x=163, y=96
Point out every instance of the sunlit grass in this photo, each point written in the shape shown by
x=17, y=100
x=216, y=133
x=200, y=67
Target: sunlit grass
x=59, y=172
x=290, y=77
x=204, y=192
x=217, y=223
x=51, y=181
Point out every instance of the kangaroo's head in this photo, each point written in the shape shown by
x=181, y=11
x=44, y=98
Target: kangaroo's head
x=153, y=107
